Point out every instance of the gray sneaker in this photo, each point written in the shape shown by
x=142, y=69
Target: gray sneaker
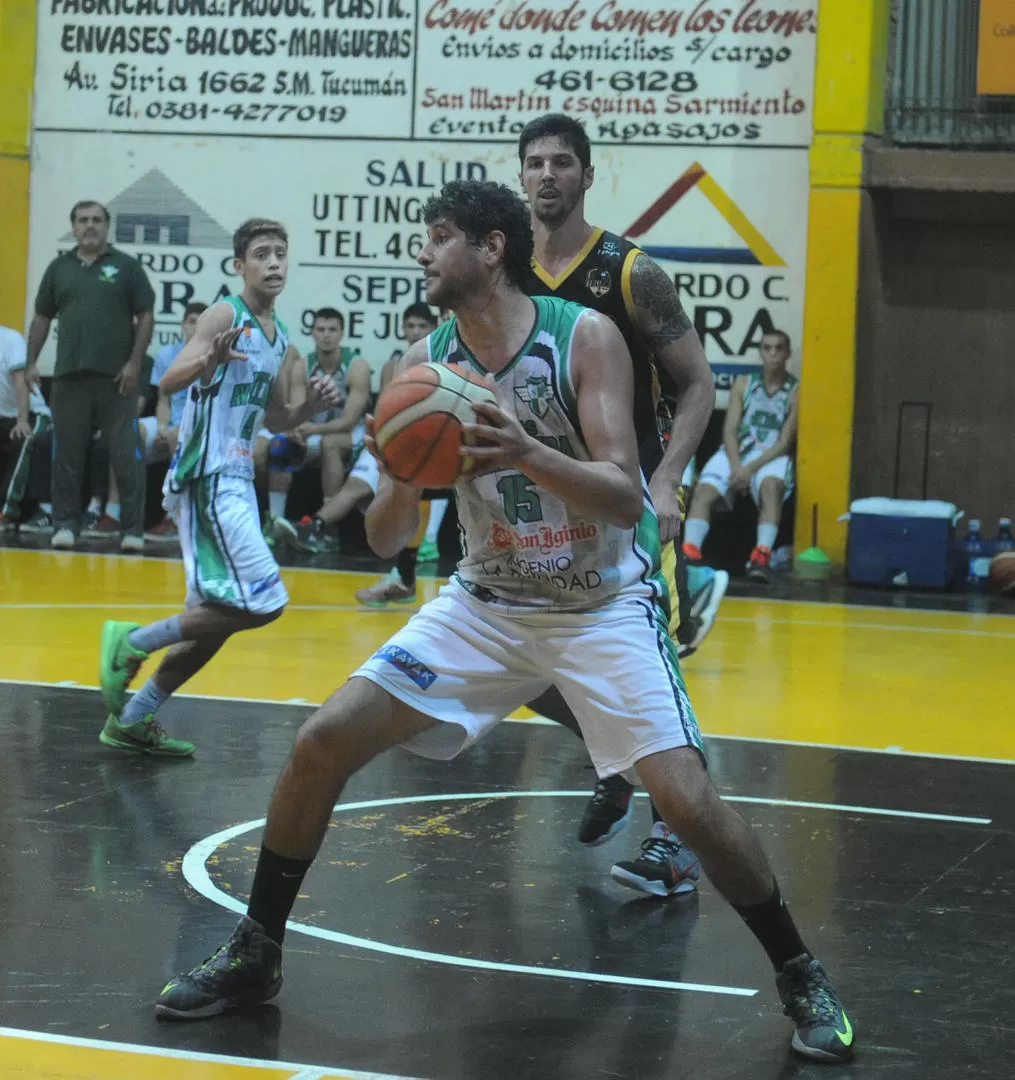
x=63, y=540
x=246, y=970
x=39, y=522
x=823, y=1030
x=665, y=866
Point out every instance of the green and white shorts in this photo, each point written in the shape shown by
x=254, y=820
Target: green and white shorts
x=226, y=559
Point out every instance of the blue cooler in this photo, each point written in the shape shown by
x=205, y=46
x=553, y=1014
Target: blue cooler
x=901, y=542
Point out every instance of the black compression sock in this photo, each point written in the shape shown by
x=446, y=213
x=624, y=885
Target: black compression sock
x=771, y=923
x=277, y=881
x=406, y=565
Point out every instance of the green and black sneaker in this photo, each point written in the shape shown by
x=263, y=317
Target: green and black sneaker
x=245, y=971
x=823, y=1030
x=119, y=662
x=145, y=736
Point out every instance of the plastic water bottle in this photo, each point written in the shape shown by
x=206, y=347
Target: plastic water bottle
x=977, y=556
x=1005, y=541
x=285, y=454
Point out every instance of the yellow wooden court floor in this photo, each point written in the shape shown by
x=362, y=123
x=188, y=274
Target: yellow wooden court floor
x=928, y=682
x=876, y=679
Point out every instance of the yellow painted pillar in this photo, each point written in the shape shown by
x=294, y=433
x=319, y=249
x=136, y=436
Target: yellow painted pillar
x=17, y=72
x=848, y=105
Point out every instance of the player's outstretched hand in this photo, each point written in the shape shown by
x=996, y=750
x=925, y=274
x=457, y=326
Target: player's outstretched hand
x=223, y=349
x=497, y=440
x=371, y=443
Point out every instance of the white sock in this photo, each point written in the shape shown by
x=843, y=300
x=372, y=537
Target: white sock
x=276, y=503
x=767, y=535
x=113, y=510
x=94, y=507
x=695, y=531
x=148, y=700
x=48, y=507
x=437, y=508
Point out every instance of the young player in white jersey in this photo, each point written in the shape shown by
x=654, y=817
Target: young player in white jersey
x=231, y=366
x=557, y=469
x=758, y=438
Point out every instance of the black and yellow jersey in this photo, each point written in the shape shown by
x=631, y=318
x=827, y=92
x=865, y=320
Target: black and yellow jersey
x=599, y=277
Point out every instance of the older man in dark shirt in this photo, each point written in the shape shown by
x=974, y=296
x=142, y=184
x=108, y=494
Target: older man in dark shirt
x=104, y=304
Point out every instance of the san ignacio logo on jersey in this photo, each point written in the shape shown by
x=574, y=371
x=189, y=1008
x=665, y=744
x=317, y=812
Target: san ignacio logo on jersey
x=536, y=393
x=598, y=282
x=544, y=539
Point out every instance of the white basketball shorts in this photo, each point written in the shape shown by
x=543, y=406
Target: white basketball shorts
x=717, y=472
x=365, y=468
x=226, y=559
x=469, y=667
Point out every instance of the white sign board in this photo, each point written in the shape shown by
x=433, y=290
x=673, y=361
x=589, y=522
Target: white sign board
x=340, y=117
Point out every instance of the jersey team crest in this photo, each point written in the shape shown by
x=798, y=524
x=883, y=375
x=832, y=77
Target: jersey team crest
x=536, y=394
x=598, y=282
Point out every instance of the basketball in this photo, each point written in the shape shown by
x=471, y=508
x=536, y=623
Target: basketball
x=418, y=422
x=1002, y=572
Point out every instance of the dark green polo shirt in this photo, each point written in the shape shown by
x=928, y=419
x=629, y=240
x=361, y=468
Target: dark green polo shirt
x=95, y=306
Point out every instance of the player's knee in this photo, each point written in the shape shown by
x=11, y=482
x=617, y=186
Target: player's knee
x=335, y=738
x=680, y=789
x=336, y=443
x=701, y=502
x=318, y=749
x=772, y=488
x=262, y=618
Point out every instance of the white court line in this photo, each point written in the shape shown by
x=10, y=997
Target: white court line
x=819, y=623
x=893, y=628
x=542, y=721
x=195, y=873
x=866, y=607
x=374, y=572
x=877, y=811
x=898, y=750
x=140, y=559
x=190, y=1055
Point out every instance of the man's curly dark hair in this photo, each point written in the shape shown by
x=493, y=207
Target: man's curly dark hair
x=480, y=207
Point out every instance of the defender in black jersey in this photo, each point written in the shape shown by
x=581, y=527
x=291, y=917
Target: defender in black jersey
x=601, y=270
x=599, y=277
x=578, y=261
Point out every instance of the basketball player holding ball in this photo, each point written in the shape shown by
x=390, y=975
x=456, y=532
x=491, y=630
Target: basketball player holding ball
x=555, y=465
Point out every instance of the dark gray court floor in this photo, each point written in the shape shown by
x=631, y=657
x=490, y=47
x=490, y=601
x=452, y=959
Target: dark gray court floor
x=913, y=916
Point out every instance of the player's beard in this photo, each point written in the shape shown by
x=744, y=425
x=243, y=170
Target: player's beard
x=557, y=212
x=444, y=292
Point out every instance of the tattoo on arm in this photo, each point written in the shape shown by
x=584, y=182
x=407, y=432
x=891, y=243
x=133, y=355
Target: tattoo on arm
x=661, y=317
